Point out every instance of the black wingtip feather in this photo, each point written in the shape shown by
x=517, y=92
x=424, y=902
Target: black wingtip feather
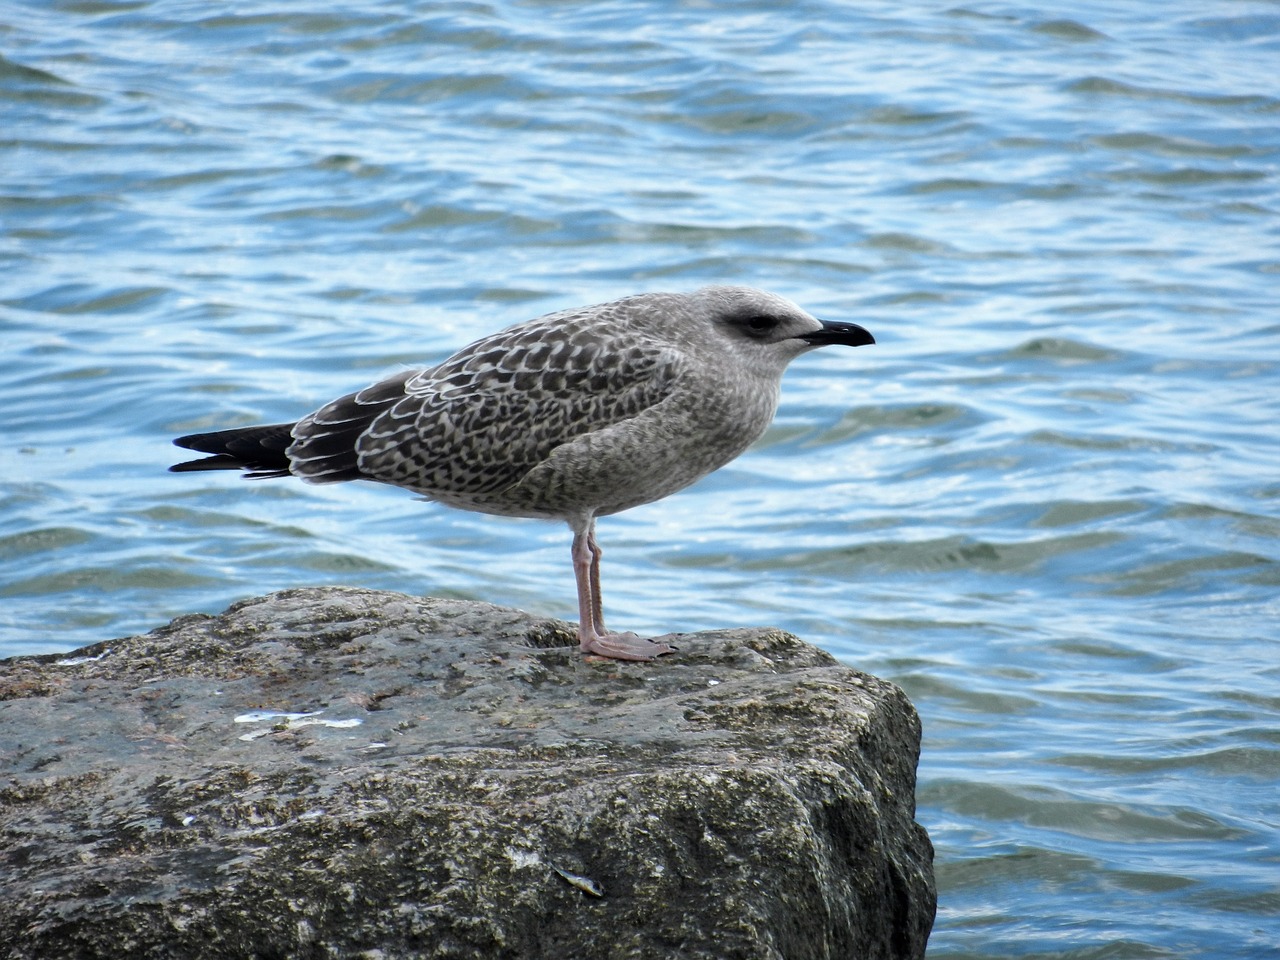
x=259, y=450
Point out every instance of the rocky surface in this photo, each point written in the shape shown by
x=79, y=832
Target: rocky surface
x=348, y=773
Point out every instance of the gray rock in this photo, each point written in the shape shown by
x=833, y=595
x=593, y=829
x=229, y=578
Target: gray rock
x=349, y=773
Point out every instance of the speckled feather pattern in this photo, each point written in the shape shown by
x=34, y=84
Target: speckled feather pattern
x=579, y=413
x=574, y=415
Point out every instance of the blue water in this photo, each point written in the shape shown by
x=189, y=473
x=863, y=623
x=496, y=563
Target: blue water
x=1047, y=502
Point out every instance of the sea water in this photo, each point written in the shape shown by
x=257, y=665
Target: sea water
x=1045, y=502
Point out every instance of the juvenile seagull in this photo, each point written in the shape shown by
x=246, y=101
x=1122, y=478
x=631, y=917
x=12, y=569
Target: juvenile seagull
x=575, y=415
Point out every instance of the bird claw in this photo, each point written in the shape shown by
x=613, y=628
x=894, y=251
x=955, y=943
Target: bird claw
x=624, y=646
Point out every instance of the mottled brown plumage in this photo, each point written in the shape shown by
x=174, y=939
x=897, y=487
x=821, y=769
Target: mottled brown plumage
x=574, y=415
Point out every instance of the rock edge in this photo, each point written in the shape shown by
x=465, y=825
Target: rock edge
x=338, y=772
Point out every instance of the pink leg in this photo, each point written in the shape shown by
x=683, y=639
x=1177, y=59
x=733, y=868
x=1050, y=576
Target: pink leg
x=592, y=635
x=587, y=615
x=597, y=598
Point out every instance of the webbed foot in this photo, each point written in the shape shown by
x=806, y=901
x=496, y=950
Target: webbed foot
x=623, y=646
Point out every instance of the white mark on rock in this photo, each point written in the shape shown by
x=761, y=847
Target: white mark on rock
x=291, y=721
x=76, y=661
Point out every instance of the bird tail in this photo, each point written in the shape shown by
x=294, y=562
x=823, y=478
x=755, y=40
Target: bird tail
x=258, y=450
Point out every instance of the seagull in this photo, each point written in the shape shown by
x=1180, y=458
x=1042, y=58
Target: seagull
x=575, y=415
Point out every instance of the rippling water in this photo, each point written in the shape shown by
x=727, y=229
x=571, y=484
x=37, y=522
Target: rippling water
x=1045, y=503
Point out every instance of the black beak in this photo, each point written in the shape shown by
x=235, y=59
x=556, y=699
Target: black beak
x=835, y=331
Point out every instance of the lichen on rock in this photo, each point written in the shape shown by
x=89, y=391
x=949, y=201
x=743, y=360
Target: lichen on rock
x=337, y=772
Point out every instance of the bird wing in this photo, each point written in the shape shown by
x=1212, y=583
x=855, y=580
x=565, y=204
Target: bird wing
x=480, y=421
x=324, y=443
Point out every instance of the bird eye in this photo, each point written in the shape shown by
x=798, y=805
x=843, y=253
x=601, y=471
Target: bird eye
x=759, y=324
